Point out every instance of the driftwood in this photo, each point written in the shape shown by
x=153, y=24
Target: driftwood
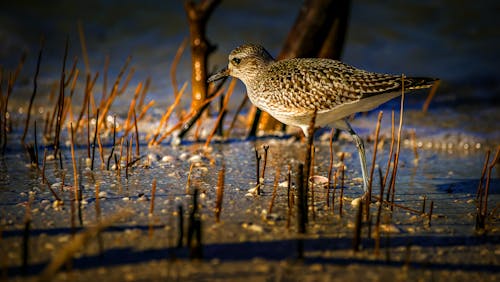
x=318, y=31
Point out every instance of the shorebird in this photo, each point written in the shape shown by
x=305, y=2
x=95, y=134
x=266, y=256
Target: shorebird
x=292, y=90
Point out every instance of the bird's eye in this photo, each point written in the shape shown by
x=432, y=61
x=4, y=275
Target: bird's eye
x=236, y=61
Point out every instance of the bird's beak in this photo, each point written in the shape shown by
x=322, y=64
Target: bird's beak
x=219, y=75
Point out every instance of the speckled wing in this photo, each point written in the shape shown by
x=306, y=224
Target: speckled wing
x=306, y=84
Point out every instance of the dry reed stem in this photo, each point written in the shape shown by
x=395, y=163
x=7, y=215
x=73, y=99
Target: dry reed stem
x=73, y=160
x=289, y=185
x=335, y=179
x=127, y=159
x=137, y=144
x=483, y=173
x=301, y=203
x=236, y=115
x=494, y=161
x=431, y=95
x=73, y=74
x=153, y=193
x=43, y=165
x=423, y=204
x=166, y=116
x=88, y=92
x=330, y=168
x=229, y=92
x=356, y=241
x=196, y=113
x=10, y=85
x=118, y=161
x=65, y=253
x=83, y=45
x=106, y=103
x=263, y=175
x=258, y=157
x=342, y=174
x=144, y=91
x=131, y=109
x=275, y=189
x=145, y=109
x=113, y=144
x=175, y=62
x=88, y=129
x=35, y=86
x=379, y=212
x=391, y=204
x=370, y=181
x=96, y=107
x=175, y=127
x=101, y=150
x=220, y=193
x=96, y=128
x=188, y=182
x=5, y=112
x=126, y=81
x=313, y=154
x=430, y=213
x=392, y=188
x=390, y=158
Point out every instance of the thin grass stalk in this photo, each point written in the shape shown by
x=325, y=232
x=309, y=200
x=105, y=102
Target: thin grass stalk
x=370, y=182
x=145, y=109
x=263, y=175
x=114, y=143
x=86, y=99
x=494, y=161
x=275, y=189
x=126, y=81
x=83, y=45
x=218, y=122
x=391, y=149
x=94, y=141
x=236, y=114
x=153, y=193
x=175, y=62
x=35, y=86
x=76, y=188
x=144, y=91
x=166, y=116
x=398, y=148
x=220, y=193
x=330, y=168
x=342, y=174
x=379, y=212
x=479, y=190
x=137, y=144
x=431, y=95
x=128, y=125
x=106, y=104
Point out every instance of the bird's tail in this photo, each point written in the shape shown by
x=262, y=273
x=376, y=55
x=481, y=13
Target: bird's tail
x=413, y=83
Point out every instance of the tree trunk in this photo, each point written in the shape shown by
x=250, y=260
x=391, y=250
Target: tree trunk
x=198, y=15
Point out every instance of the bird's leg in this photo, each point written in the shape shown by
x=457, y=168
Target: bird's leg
x=361, y=152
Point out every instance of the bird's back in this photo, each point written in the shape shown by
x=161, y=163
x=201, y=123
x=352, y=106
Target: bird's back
x=322, y=84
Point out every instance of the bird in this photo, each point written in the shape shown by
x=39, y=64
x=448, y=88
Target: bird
x=294, y=90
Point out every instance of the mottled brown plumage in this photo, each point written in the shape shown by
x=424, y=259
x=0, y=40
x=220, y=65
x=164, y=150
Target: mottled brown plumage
x=292, y=90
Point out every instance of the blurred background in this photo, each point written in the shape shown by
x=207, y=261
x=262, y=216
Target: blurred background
x=457, y=41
